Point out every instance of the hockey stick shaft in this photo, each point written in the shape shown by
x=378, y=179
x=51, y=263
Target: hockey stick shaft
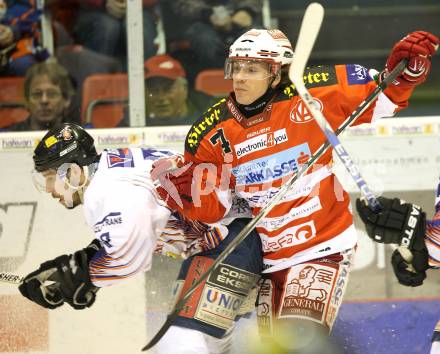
x=251, y=225
x=234, y=243
x=10, y=278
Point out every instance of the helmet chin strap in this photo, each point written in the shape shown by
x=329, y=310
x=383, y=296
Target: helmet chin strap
x=88, y=171
x=272, y=79
x=83, y=188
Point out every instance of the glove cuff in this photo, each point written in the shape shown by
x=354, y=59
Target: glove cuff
x=92, y=248
x=403, y=273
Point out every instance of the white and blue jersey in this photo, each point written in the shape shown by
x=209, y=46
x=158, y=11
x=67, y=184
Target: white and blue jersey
x=127, y=216
x=122, y=208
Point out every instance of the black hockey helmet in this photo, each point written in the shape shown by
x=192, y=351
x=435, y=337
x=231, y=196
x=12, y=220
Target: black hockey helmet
x=64, y=143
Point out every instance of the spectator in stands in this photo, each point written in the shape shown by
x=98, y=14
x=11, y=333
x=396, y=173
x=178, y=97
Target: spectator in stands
x=19, y=33
x=101, y=26
x=168, y=99
x=213, y=25
x=47, y=92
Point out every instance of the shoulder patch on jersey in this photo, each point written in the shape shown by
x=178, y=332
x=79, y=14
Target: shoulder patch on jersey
x=318, y=76
x=155, y=154
x=357, y=74
x=201, y=127
x=119, y=158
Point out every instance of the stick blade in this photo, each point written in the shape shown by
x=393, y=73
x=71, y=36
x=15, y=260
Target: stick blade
x=308, y=33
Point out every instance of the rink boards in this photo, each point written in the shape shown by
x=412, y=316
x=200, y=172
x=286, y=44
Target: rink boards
x=398, y=156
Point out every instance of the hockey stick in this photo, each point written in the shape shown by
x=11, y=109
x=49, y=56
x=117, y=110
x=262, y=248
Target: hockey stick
x=10, y=278
x=273, y=201
x=303, y=49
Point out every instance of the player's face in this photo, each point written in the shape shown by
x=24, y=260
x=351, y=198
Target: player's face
x=46, y=102
x=61, y=185
x=251, y=80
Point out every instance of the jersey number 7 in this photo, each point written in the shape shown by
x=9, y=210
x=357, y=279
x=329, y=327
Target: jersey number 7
x=220, y=135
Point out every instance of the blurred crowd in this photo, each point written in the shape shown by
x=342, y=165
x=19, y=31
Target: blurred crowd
x=85, y=66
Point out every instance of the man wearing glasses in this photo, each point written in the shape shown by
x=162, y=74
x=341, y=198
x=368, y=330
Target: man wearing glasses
x=47, y=92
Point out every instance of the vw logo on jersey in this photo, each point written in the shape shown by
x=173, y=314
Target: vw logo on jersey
x=301, y=114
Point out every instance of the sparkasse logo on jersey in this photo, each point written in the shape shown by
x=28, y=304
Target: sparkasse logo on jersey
x=261, y=142
x=273, y=167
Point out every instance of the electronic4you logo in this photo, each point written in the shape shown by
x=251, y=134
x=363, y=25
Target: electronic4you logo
x=261, y=142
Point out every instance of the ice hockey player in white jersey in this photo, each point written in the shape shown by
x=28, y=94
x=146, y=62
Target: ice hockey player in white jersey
x=405, y=224
x=119, y=205
x=130, y=222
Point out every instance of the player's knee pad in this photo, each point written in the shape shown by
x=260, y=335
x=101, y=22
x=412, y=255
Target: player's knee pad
x=214, y=306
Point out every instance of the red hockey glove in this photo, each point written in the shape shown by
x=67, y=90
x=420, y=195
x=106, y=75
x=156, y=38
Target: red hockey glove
x=166, y=165
x=417, y=47
x=175, y=186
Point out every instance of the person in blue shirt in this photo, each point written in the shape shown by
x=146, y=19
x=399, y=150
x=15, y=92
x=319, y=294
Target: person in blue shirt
x=19, y=37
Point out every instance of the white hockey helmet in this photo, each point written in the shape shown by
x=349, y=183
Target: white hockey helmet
x=271, y=46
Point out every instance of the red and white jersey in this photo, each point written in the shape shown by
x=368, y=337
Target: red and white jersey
x=130, y=220
x=264, y=151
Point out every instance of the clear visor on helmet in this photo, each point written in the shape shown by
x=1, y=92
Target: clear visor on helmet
x=62, y=177
x=250, y=69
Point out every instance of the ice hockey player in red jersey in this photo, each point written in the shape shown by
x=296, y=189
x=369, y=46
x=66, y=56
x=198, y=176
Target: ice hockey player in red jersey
x=252, y=142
